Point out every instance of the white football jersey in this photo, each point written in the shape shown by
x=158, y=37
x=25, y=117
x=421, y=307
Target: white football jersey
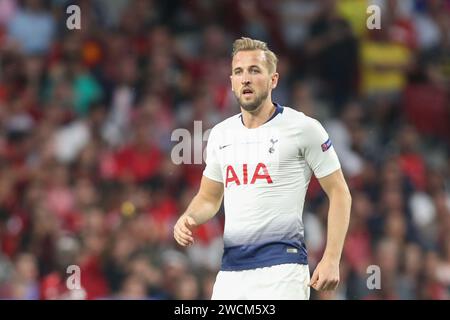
x=265, y=172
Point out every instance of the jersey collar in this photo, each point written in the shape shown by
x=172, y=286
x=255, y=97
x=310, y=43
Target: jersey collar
x=278, y=109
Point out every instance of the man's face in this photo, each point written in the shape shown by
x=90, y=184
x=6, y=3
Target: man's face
x=251, y=81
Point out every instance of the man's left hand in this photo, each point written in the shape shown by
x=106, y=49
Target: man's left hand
x=325, y=276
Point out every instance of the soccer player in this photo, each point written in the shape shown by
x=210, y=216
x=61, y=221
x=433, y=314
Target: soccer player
x=261, y=161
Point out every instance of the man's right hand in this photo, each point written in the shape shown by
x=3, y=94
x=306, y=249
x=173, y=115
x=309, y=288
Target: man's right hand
x=182, y=232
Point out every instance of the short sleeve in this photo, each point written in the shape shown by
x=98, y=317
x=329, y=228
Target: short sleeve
x=317, y=148
x=212, y=169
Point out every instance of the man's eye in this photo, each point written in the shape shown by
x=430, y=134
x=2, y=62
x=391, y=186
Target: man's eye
x=237, y=72
x=254, y=71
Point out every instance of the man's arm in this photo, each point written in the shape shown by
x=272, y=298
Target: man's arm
x=326, y=275
x=202, y=208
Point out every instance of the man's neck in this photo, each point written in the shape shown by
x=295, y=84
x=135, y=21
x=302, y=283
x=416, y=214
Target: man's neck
x=258, y=117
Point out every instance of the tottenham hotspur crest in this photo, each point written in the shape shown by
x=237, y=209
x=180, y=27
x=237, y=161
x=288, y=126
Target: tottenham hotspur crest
x=272, y=148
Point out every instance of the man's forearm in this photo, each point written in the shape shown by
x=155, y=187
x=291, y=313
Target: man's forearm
x=202, y=209
x=338, y=220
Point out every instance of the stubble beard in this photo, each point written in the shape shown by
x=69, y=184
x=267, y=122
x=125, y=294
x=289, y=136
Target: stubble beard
x=254, y=104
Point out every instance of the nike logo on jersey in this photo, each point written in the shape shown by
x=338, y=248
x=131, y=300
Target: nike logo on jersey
x=224, y=146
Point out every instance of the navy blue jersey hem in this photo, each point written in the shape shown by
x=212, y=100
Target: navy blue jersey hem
x=261, y=265
x=247, y=257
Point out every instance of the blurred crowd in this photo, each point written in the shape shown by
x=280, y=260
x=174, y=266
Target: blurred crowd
x=86, y=122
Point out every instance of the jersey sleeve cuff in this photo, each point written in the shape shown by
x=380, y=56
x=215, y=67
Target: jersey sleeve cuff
x=327, y=172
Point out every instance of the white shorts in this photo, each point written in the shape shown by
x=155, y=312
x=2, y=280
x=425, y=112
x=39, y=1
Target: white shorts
x=280, y=282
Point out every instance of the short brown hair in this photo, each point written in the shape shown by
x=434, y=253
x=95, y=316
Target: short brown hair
x=248, y=44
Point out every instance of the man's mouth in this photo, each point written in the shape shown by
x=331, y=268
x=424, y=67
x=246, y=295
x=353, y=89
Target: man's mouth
x=247, y=92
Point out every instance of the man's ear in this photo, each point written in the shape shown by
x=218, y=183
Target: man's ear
x=231, y=80
x=274, y=80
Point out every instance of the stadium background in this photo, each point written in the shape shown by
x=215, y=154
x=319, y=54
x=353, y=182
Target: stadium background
x=86, y=116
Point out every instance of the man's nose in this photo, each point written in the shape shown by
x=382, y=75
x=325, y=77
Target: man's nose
x=245, y=80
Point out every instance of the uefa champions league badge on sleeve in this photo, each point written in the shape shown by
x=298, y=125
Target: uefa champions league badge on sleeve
x=326, y=145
